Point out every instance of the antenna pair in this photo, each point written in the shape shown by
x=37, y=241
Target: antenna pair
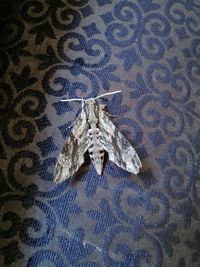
x=82, y=99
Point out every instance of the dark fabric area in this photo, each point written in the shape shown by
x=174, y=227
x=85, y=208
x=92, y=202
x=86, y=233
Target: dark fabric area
x=54, y=49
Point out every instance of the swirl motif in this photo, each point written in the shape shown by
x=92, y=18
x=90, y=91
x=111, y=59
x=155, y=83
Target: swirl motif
x=97, y=53
x=18, y=133
x=173, y=10
x=34, y=11
x=177, y=91
x=124, y=34
x=127, y=11
x=151, y=116
x=30, y=103
x=147, y=113
x=63, y=17
x=157, y=24
x=14, y=29
x=179, y=178
x=36, y=225
x=23, y=163
x=66, y=18
x=193, y=26
x=176, y=184
x=129, y=198
x=55, y=82
x=157, y=75
x=182, y=89
x=116, y=34
x=173, y=126
x=135, y=252
x=14, y=221
x=154, y=48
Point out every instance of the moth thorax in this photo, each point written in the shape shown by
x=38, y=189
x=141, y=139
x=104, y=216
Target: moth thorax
x=91, y=111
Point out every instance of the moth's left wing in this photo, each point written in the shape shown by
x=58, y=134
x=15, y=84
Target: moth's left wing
x=72, y=154
x=119, y=150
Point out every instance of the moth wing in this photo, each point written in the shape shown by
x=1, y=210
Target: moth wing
x=72, y=155
x=119, y=150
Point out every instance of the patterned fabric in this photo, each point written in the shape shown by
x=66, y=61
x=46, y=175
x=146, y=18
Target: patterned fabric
x=149, y=49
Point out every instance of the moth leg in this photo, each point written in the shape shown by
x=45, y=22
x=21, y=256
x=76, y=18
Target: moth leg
x=69, y=127
x=102, y=107
x=111, y=115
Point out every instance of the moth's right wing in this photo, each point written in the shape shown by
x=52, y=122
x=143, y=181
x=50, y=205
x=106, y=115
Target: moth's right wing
x=119, y=150
x=72, y=155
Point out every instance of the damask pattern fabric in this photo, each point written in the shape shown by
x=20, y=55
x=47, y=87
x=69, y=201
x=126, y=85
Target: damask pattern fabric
x=54, y=49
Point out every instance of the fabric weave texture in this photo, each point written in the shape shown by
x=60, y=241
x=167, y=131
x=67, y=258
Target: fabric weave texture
x=55, y=49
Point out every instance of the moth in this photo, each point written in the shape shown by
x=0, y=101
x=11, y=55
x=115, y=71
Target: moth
x=93, y=131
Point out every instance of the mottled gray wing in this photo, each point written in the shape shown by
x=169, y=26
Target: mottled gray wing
x=120, y=151
x=72, y=154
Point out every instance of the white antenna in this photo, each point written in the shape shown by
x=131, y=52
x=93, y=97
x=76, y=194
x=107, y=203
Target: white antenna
x=82, y=99
x=111, y=93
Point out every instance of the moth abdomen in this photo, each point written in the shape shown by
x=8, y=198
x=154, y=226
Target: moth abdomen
x=96, y=152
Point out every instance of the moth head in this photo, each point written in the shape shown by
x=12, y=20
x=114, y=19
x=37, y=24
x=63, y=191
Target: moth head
x=93, y=102
x=90, y=101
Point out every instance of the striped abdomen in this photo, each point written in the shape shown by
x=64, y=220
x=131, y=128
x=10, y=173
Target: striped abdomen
x=96, y=152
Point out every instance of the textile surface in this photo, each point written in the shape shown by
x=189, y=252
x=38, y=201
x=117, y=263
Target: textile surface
x=54, y=49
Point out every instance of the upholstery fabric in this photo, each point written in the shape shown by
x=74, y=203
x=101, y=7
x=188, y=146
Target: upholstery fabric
x=54, y=49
